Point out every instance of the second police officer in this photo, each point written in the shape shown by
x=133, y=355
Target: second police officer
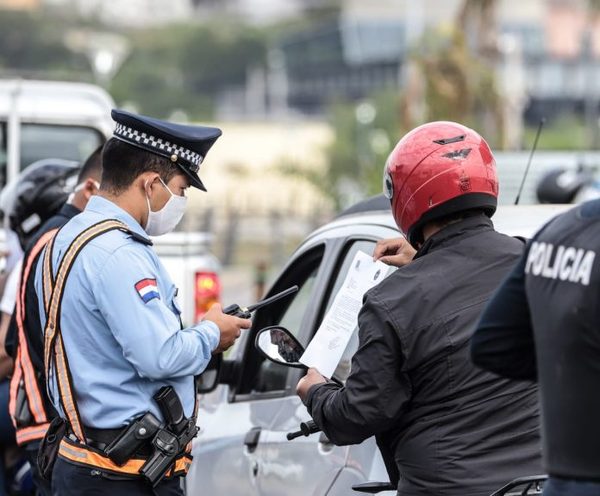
x=112, y=330
x=543, y=325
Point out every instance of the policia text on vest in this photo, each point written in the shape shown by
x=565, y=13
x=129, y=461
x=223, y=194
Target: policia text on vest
x=564, y=263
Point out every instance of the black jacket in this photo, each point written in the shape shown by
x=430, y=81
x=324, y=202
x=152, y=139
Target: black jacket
x=451, y=428
x=544, y=323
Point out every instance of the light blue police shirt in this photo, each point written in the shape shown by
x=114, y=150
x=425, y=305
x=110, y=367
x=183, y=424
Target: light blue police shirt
x=121, y=330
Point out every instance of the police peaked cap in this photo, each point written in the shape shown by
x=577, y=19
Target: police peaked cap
x=185, y=146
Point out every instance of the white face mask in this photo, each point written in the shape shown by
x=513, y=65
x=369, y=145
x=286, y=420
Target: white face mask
x=164, y=220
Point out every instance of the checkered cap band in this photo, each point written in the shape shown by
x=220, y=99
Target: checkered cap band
x=147, y=140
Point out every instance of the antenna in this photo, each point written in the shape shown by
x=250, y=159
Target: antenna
x=533, y=148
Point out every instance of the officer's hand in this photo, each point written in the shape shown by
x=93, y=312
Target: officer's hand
x=311, y=378
x=395, y=251
x=230, y=327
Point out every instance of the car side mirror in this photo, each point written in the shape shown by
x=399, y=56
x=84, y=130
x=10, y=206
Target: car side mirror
x=208, y=380
x=279, y=345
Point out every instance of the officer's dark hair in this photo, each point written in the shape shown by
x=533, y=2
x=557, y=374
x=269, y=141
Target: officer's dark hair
x=122, y=163
x=92, y=167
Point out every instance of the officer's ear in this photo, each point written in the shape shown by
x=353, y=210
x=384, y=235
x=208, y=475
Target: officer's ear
x=90, y=188
x=147, y=181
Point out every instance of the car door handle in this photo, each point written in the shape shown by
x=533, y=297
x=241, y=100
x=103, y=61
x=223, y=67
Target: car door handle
x=251, y=439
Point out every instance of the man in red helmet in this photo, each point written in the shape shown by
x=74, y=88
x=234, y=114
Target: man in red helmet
x=449, y=427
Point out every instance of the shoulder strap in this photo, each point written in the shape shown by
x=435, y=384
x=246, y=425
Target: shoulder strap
x=54, y=351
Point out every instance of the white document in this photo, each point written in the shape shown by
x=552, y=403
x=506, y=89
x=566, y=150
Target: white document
x=327, y=347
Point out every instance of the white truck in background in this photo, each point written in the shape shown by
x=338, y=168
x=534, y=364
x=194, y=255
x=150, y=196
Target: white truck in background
x=48, y=119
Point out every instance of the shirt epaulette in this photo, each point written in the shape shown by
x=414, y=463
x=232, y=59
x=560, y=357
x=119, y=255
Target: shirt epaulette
x=139, y=238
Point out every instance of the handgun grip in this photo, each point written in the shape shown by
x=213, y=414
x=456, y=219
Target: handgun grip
x=170, y=406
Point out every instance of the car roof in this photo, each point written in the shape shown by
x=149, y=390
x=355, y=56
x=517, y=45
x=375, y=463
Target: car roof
x=372, y=204
x=514, y=220
x=56, y=102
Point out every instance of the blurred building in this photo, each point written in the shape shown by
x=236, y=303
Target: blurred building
x=253, y=11
x=366, y=48
x=20, y=4
x=138, y=13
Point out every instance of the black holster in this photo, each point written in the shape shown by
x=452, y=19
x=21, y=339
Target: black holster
x=170, y=441
x=48, y=450
x=138, y=434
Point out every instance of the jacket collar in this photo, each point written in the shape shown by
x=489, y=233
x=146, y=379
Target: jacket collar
x=69, y=211
x=462, y=229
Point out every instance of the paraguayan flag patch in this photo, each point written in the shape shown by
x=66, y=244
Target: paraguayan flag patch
x=147, y=289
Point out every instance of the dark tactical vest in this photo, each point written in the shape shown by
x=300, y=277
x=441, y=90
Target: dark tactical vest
x=563, y=289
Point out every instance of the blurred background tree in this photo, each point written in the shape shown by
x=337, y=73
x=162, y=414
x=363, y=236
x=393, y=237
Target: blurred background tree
x=451, y=76
x=31, y=44
x=195, y=62
x=178, y=66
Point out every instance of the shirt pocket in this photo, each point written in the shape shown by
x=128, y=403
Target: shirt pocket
x=174, y=302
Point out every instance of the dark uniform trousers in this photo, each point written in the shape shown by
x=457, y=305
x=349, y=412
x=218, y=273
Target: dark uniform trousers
x=74, y=480
x=42, y=486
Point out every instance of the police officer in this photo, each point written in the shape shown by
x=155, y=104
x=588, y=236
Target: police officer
x=62, y=188
x=112, y=331
x=443, y=426
x=37, y=193
x=543, y=325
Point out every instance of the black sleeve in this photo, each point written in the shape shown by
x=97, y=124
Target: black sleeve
x=10, y=341
x=503, y=340
x=376, y=390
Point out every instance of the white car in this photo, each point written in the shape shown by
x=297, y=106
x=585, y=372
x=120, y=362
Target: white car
x=242, y=448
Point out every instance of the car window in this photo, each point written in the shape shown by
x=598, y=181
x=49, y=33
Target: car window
x=292, y=317
x=40, y=141
x=261, y=375
x=343, y=369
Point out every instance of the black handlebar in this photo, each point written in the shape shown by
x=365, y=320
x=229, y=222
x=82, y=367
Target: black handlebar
x=306, y=429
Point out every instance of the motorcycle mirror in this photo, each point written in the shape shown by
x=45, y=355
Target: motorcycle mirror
x=279, y=345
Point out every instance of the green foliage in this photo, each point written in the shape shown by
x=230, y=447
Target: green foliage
x=565, y=133
x=459, y=86
x=30, y=43
x=184, y=66
x=357, y=155
x=179, y=66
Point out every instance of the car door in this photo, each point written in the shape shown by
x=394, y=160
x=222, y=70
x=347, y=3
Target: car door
x=311, y=465
x=234, y=420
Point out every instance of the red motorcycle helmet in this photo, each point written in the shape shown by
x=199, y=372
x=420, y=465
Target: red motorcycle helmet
x=436, y=170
